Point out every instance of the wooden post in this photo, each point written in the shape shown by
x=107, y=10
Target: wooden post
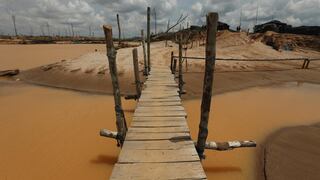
x=171, y=62
x=148, y=38
x=212, y=22
x=136, y=72
x=119, y=30
x=168, y=32
x=112, y=53
x=307, y=65
x=180, y=66
x=230, y=145
x=145, y=72
x=174, y=66
x=304, y=64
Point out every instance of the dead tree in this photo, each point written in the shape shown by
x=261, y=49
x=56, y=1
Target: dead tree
x=155, y=21
x=167, y=29
x=14, y=25
x=119, y=30
x=120, y=118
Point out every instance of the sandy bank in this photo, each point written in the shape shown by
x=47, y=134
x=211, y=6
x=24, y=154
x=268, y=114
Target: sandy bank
x=293, y=153
x=90, y=71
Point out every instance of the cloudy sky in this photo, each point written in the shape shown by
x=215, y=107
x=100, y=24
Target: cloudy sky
x=56, y=16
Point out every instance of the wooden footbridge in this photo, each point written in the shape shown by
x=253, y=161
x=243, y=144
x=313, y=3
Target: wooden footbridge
x=158, y=144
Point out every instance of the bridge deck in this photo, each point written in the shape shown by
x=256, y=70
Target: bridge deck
x=158, y=144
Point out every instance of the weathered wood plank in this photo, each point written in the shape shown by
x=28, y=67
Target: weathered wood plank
x=159, y=119
x=182, y=129
x=158, y=145
x=146, y=171
x=156, y=136
x=158, y=104
x=170, y=108
x=158, y=123
x=129, y=155
x=160, y=114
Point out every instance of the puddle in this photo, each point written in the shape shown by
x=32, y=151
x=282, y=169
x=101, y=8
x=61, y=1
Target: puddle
x=252, y=114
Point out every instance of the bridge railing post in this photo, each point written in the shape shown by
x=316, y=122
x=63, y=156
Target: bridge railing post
x=174, y=67
x=112, y=54
x=171, y=62
x=180, y=66
x=148, y=39
x=145, y=72
x=212, y=22
x=136, y=72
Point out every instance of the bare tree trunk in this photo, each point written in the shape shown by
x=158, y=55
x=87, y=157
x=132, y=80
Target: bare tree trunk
x=167, y=29
x=155, y=21
x=14, y=25
x=119, y=30
x=212, y=22
x=112, y=53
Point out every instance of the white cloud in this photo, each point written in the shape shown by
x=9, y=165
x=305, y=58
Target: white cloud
x=35, y=14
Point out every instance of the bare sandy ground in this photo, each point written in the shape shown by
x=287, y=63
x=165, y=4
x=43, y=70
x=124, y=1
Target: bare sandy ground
x=88, y=72
x=293, y=153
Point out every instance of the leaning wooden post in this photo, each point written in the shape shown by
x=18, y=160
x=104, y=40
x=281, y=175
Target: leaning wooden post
x=148, y=38
x=136, y=72
x=119, y=30
x=145, y=72
x=112, y=53
x=171, y=62
x=180, y=66
x=212, y=21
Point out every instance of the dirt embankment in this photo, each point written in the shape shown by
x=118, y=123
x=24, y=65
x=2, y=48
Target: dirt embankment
x=90, y=71
x=288, y=42
x=293, y=153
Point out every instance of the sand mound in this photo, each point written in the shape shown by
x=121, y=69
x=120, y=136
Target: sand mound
x=289, y=42
x=228, y=39
x=89, y=72
x=293, y=153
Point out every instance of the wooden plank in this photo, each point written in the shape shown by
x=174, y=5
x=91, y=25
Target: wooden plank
x=158, y=144
x=182, y=129
x=158, y=123
x=159, y=119
x=170, y=108
x=146, y=171
x=161, y=114
x=129, y=155
x=156, y=136
x=157, y=104
x=171, y=99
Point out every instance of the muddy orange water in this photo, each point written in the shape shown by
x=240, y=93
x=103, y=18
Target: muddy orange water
x=29, y=56
x=50, y=133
